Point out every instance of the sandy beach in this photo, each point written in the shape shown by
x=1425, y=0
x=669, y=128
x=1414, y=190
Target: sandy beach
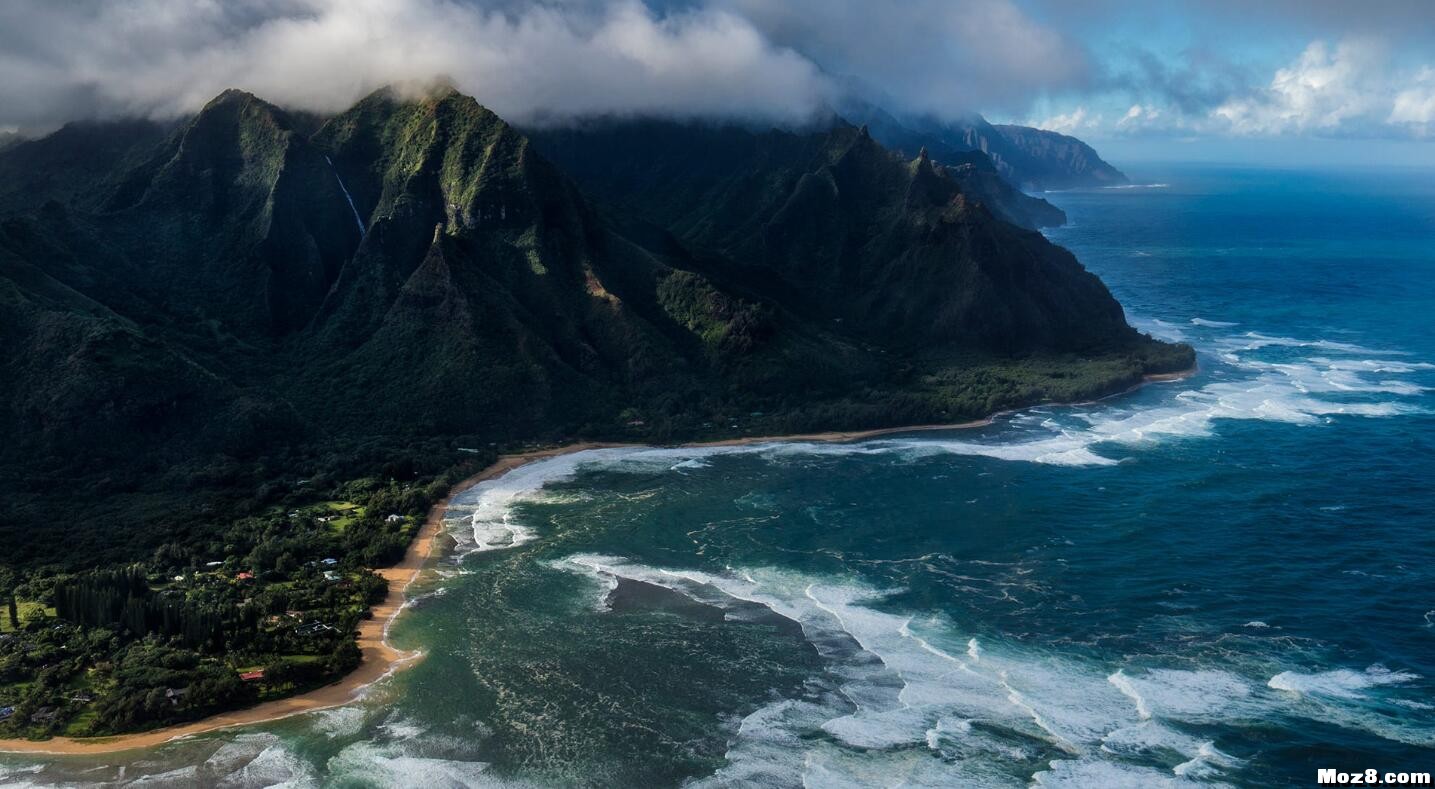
x=381, y=658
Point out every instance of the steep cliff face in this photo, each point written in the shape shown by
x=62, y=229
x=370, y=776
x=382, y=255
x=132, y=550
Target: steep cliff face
x=231, y=217
x=482, y=285
x=1025, y=157
x=838, y=227
x=1069, y=162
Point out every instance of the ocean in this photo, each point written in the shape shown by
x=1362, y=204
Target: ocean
x=1223, y=580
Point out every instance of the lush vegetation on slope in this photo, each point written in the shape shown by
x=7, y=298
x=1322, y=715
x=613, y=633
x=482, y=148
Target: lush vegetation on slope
x=211, y=328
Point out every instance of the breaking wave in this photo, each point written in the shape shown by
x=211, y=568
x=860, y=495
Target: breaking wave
x=1307, y=383
x=1341, y=683
x=896, y=686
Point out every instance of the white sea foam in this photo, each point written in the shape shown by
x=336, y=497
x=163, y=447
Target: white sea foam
x=1158, y=328
x=1298, y=391
x=179, y=776
x=19, y=776
x=896, y=684
x=488, y=507
x=275, y=766
x=1254, y=341
x=1213, y=324
x=1372, y=365
x=1340, y=683
x=407, y=754
x=1108, y=775
x=1186, y=695
x=1153, y=740
x=1353, y=699
x=233, y=755
x=340, y=721
x=389, y=765
x=600, y=574
x=1207, y=762
x=893, y=682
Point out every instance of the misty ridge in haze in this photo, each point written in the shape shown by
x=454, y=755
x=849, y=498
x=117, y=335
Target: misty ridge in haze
x=533, y=63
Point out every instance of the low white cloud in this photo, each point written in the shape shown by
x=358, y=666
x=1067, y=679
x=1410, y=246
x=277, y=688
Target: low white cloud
x=1073, y=122
x=1141, y=116
x=1323, y=90
x=1415, y=106
x=165, y=57
x=527, y=59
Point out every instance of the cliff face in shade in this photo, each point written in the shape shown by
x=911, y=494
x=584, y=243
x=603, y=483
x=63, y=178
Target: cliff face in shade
x=1027, y=158
x=1068, y=162
x=192, y=311
x=839, y=228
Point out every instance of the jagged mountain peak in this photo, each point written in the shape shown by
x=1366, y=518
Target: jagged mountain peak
x=394, y=143
x=232, y=96
x=239, y=114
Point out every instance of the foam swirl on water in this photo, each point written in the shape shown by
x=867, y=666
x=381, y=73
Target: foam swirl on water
x=892, y=685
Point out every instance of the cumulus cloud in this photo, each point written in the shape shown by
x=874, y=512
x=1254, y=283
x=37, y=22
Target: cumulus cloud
x=1326, y=89
x=1140, y=116
x=59, y=61
x=1074, y=122
x=1414, y=107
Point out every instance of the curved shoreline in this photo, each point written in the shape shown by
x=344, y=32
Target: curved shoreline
x=381, y=658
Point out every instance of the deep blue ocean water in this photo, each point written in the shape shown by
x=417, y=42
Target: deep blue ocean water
x=1224, y=580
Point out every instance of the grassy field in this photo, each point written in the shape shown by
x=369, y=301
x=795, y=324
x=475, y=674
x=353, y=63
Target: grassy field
x=27, y=610
x=344, y=513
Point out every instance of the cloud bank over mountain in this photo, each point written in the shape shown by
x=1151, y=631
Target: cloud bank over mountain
x=1108, y=68
x=163, y=57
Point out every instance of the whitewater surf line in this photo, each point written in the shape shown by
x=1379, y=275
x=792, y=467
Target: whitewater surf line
x=381, y=659
x=357, y=219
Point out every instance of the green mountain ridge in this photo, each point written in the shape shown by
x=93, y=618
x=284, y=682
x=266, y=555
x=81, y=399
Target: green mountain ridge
x=194, y=318
x=851, y=231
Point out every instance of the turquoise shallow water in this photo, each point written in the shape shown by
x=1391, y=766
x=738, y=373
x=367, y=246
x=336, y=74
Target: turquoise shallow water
x=1224, y=580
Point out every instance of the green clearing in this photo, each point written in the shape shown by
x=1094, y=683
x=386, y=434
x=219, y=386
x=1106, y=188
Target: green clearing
x=81, y=725
x=344, y=513
x=27, y=609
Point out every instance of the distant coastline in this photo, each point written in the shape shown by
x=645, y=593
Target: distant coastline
x=381, y=658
